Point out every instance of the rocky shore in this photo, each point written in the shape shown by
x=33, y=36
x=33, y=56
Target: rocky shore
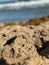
x=35, y=21
x=24, y=44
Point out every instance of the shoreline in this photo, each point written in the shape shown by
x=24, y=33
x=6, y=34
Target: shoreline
x=35, y=21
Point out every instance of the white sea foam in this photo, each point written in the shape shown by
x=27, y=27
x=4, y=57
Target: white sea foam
x=22, y=4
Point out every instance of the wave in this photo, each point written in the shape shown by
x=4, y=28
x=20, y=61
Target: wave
x=24, y=4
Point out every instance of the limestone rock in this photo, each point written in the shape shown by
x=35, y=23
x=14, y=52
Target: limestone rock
x=24, y=45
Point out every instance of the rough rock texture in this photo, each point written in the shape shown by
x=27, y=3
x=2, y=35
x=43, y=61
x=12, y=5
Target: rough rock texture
x=24, y=45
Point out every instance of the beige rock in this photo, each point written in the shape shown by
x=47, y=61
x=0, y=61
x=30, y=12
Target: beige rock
x=24, y=45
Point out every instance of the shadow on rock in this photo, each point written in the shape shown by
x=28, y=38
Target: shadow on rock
x=3, y=62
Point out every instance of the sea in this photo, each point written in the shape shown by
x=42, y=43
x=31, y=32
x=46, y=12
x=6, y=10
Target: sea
x=23, y=10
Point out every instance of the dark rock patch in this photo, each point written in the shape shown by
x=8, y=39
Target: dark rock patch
x=10, y=41
x=3, y=62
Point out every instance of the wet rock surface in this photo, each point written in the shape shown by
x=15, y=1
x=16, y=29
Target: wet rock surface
x=24, y=45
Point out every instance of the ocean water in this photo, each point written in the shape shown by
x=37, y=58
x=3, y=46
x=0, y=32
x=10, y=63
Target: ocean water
x=23, y=10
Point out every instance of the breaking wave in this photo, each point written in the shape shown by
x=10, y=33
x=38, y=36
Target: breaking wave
x=24, y=4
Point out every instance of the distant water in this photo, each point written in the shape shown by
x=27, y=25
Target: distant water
x=23, y=10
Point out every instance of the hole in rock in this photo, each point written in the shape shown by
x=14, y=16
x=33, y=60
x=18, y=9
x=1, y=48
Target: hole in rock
x=13, y=64
x=10, y=41
x=44, y=50
x=12, y=52
x=3, y=62
x=23, y=36
x=14, y=30
x=19, y=63
x=4, y=35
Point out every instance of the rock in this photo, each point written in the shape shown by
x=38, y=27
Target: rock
x=24, y=45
